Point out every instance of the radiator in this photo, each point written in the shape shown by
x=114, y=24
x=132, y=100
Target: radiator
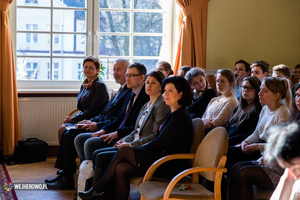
x=40, y=117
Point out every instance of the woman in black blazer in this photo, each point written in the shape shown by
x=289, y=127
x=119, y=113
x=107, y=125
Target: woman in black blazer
x=174, y=136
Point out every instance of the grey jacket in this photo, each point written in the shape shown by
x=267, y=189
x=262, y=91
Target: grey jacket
x=151, y=123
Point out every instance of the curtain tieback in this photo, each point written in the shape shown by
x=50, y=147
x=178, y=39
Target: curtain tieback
x=194, y=7
x=4, y=6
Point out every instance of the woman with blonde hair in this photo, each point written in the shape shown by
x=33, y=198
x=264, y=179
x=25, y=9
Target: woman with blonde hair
x=245, y=174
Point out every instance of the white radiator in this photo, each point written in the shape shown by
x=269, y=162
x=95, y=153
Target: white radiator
x=41, y=117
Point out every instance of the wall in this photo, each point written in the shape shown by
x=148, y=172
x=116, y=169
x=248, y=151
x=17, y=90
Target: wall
x=253, y=30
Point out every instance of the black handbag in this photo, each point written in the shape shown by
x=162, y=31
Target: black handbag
x=31, y=150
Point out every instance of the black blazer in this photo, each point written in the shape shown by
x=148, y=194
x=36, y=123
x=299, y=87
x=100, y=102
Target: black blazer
x=129, y=125
x=112, y=109
x=91, y=101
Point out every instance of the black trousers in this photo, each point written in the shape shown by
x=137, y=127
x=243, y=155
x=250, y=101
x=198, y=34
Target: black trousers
x=66, y=159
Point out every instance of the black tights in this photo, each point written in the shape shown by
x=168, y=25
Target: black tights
x=243, y=175
x=119, y=172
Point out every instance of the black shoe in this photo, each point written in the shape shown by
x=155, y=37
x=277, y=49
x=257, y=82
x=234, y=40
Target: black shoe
x=65, y=183
x=59, y=172
x=90, y=195
x=53, y=180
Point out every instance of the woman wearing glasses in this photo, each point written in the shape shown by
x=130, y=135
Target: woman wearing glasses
x=272, y=92
x=92, y=97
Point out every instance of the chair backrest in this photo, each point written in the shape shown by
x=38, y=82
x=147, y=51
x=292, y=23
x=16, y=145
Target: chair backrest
x=198, y=134
x=211, y=149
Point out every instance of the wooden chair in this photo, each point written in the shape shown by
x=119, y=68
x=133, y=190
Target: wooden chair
x=198, y=134
x=209, y=162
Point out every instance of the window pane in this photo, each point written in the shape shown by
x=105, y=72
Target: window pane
x=69, y=45
x=33, y=44
x=148, y=22
x=149, y=4
x=149, y=63
x=33, y=2
x=66, y=68
x=114, y=3
x=32, y=68
x=70, y=3
x=69, y=20
x=114, y=45
x=27, y=19
x=114, y=21
x=146, y=45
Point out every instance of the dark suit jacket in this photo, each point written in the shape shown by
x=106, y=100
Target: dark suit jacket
x=151, y=123
x=91, y=101
x=112, y=109
x=141, y=99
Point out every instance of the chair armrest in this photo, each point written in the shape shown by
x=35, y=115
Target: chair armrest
x=186, y=172
x=73, y=111
x=162, y=160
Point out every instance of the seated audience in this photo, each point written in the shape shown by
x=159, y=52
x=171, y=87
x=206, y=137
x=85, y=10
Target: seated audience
x=92, y=97
x=202, y=93
x=245, y=116
x=164, y=67
x=220, y=109
x=174, y=136
x=283, y=148
x=282, y=71
x=296, y=103
x=87, y=143
x=245, y=174
x=66, y=159
x=259, y=69
x=241, y=70
x=150, y=118
x=183, y=70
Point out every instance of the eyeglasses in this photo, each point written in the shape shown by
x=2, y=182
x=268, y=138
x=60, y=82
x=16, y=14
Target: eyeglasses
x=131, y=75
x=248, y=88
x=87, y=67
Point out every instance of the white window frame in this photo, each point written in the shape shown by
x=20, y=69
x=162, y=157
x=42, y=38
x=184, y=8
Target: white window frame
x=92, y=38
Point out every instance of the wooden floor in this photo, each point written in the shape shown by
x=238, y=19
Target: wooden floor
x=37, y=173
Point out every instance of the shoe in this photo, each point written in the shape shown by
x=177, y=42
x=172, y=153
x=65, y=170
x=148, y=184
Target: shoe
x=53, y=180
x=59, y=172
x=90, y=195
x=65, y=183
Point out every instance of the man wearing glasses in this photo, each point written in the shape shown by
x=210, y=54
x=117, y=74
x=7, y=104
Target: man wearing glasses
x=87, y=143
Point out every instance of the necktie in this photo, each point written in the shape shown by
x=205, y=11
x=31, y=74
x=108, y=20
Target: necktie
x=128, y=110
x=118, y=92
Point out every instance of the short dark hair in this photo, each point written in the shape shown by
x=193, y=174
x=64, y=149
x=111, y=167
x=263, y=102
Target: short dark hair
x=262, y=64
x=158, y=75
x=246, y=64
x=166, y=66
x=140, y=67
x=297, y=66
x=185, y=68
x=93, y=59
x=181, y=85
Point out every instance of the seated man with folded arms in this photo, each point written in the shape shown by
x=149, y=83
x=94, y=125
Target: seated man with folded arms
x=66, y=160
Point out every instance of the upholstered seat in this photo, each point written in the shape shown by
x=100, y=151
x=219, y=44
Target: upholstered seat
x=198, y=134
x=209, y=162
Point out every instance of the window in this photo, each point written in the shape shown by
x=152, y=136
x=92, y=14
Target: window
x=67, y=31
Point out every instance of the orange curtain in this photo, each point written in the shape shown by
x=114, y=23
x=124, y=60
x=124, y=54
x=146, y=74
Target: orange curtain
x=9, y=117
x=192, y=42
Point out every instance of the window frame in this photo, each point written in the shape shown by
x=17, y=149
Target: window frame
x=92, y=38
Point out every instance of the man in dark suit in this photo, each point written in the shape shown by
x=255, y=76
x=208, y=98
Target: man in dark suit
x=87, y=143
x=66, y=159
